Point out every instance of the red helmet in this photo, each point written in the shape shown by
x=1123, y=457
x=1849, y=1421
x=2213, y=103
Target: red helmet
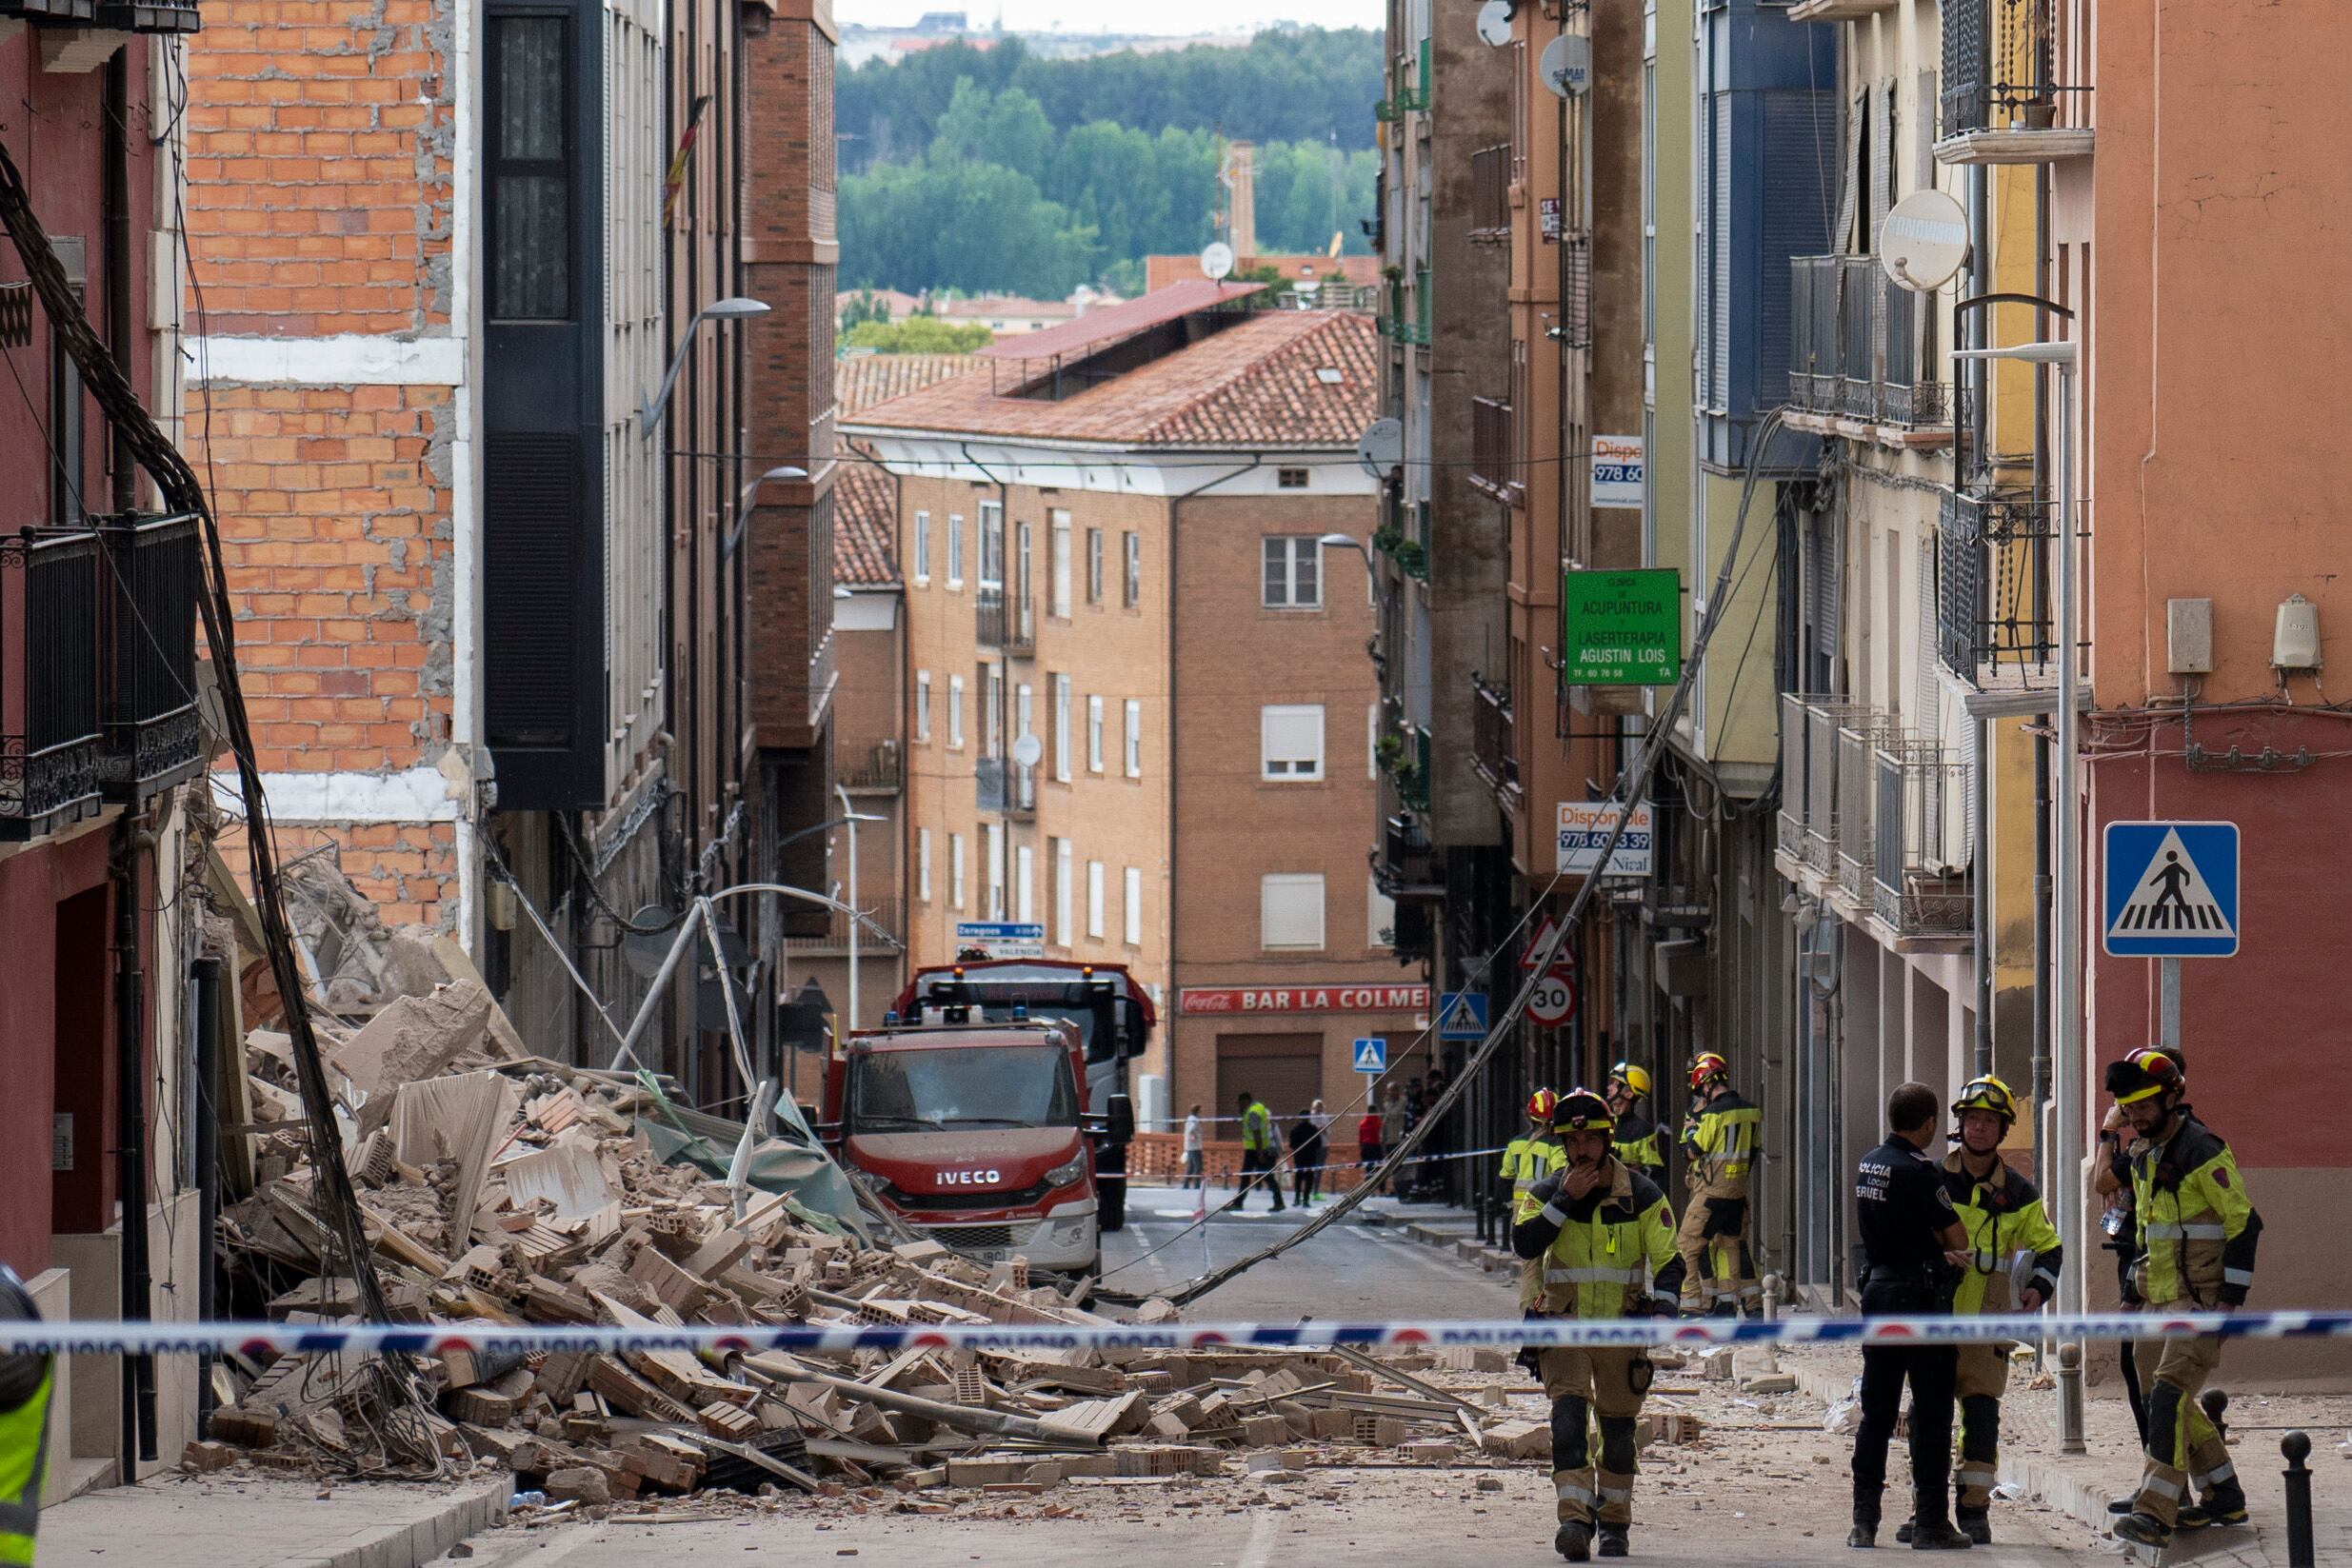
x=1541, y=1104
x=1707, y=1065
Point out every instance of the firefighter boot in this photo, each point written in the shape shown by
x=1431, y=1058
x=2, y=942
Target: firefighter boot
x=1574, y=1541
x=1615, y=1541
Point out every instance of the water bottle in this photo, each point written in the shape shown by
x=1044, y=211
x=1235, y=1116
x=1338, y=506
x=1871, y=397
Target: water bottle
x=527, y=1499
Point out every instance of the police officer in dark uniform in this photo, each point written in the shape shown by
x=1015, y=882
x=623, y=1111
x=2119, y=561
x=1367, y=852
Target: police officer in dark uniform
x=1910, y=1235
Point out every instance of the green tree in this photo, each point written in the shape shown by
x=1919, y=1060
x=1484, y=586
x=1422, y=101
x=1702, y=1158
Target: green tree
x=918, y=335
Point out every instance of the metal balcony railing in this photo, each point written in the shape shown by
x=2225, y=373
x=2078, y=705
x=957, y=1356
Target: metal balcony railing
x=884, y=929
x=1490, y=192
x=1920, y=851
x=1854, y=349
x=1859, y=739
x=882, y=770
x=1576, y=290
x=1405, y=864
x=2001, y=67
x=1789, y=827
x=149, y=16
x=1007, y=620
x=151, y=734
x=1006, y=789
x=49, y=678
x=1491, y=446
x=51, y=10
x=1493, y=748
x=1993, y=585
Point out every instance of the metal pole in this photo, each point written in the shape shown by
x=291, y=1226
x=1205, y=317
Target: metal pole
x=2296, y=1446
x=2066, y=1145
x=1981, y=857
x=850, y=818
x=207, y=1138
x=644, y=1020
x=2168, y=983
x=727, y=994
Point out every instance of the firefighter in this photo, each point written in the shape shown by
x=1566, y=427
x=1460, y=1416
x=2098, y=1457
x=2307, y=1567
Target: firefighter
x=1604, y=1238
x=1719, y=1142
x=1636, y=1135
x=2197, y=1233
x=25, y=1383
x=2012, y=1242
x=1533, y=1155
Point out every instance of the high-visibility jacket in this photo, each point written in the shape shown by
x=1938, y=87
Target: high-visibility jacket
x=25, y=1383
x=2003, y=1216
x=1721, y=1142
x=1528, y=1158
x=1258, y=1127
x=2198, y=1229
x=1603, y=1252
x=1635, y=1143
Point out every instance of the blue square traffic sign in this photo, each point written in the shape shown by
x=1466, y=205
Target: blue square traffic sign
x=1462, y=1015
x=2170, y=890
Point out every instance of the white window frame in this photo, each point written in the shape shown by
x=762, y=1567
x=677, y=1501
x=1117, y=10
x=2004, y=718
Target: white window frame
x=1094, y=565
x=1060, y=729
x=993, y=711
x=1094, y=899
x=1285, y=756
x=992, y=849
x=1380, y=914
x=1371, y=740
x=1131, y=917
x=992, y=529
x=955, y=552
x=955, y=871
x=1131, y=580
x=1279, y=589
x=1023, y=883
x=1131, y=754
x=1058, y=543
x=923, y=707
x=1094, y=734
x=955, y=712
x=1290, y=887
x=921, y=552
x=923, y=865
x=1064, y=893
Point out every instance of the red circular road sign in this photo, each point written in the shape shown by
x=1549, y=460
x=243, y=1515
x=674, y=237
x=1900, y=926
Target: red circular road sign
x=1554, y=1001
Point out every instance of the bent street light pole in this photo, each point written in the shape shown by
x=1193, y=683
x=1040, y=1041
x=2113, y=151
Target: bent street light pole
x=1371, y=575
x=727, y=309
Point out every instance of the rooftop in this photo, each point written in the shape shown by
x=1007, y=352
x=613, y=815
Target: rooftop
x=865, y=495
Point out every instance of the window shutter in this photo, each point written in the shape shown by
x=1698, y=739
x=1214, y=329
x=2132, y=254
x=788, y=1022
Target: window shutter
x=1882, y=179
x=1850, y=176
x=1290, y=910
x=1924, y=142
x=1291, y=734
x=1132, y=913
x=1930, y=689
x=1719, y=327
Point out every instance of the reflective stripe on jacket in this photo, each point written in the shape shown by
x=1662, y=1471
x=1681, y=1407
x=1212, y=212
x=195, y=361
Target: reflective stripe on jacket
x=1600, y=1255
x=2198, y=1229
x=2003, y=1216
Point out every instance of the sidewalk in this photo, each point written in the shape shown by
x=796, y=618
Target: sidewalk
x=233, y=1519
x=1439, y=1226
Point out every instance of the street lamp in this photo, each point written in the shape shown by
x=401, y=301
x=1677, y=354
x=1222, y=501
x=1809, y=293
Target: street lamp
x=726, y=310
x=1371, y=573
x=2066, y=981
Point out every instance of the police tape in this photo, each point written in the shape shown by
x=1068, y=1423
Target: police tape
x=165, y=1339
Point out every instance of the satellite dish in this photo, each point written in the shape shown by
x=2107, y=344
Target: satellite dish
x=1923, y=240
x=1494, y=21
x=1028, y=749
x=1381, y=446
x=1217, y=260
x=1566, y=64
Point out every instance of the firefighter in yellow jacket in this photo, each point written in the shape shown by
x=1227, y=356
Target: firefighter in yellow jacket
x=1533, y=1155
x=25, y=1381
x=2197, y=1233
x=1720, y=1143
x=1604, y=1238
x=1636, y=1136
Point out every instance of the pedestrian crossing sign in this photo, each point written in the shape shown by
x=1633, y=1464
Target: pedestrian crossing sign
x=1372, y=1055
x=2171, y=891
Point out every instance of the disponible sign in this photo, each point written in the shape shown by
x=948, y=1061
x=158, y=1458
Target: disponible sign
x=1198, y=1000
x=1621, y=628
x=1584, y=826
x=1617, y=471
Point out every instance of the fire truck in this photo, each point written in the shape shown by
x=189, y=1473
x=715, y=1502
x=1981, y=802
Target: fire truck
x=990, y=1111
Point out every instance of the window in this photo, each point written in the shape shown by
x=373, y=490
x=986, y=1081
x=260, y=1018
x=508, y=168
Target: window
x=991, y=710
x=1290, y=740
x=1290, y=479
x=1060, y=729
x=1292, y=578
x=1290, y=910
x=922, y=704
x=1060, y=604
x=1094, y=735
x=1371, y=740
x=1024, y=884
x=1134, y=543
x=1065, y=893
x=1380, y=916
x=992, y=545
x=528, y=250
x=69, y=461
x=1094, y=565
x=955, y=712
x=992, y=849
x=955, y=870
x=1135, y=740
x=1133, y=914
x=955, y=550
x=1024, y=712
x=923, y=863
x=1094, y=898
x=922, y=547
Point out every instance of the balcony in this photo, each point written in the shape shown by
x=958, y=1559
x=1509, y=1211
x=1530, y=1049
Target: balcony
x=1875, y=818
x=1493, y=428
x=1810, y=828
x=1008, y=623
x=1490, y=193
x=2003, y=102
x=1493, y=748
x=150, y=733
x=1859, y=739
x=62, y=12
x=884, y=929
x=147, y=15
x=1994, y=588
x=49, y=680
x=1006, y=789
x=1854, y=356
x=1575, y=329
x=1919, y=849
x=881, y=771
x=1406, y=865
x=1396, y=325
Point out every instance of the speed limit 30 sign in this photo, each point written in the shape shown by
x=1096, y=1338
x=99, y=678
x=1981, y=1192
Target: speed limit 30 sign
x=1554, y=999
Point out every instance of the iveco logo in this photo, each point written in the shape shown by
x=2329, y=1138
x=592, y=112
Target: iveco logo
x=971, y=1179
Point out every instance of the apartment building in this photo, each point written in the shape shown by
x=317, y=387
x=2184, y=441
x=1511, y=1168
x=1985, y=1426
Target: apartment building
x=1139, y=714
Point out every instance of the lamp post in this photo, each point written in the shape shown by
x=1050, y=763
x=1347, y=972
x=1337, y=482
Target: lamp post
x=2068, y=1107
x=1372, y=572
x=726, y=310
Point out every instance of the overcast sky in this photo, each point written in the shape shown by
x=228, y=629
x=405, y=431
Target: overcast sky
x=1159, y=16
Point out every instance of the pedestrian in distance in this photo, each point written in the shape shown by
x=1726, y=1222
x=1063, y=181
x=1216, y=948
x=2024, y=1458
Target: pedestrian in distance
x=1912, y=1246
x=1192, y=1148
x=1306, y=1159
x=1720, y=1144
x=1636, y=1133
x=1368, y=1149
x=1258, y=1152
x=2198, y=1235
x=1602, y=1237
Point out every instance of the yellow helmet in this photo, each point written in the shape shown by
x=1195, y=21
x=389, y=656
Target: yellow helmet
x=1986, y=1094
x=1635, y=1079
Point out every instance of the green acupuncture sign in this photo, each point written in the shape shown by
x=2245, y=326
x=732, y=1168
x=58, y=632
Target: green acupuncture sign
x=1621, y=628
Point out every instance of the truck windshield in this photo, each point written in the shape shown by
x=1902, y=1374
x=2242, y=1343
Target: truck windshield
x=936, y=1089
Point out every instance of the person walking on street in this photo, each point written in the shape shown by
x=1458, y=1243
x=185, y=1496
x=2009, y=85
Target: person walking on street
x=1192, y=1148
x=1530, y=1157
x=1603, y=1238
x=1258, y=1153
x=1720, y=1145
x=2198, y=1234
x=1636, y=1134
x=26, y=1380
x=1368, y=1149
x=1912, y=1242
x=1306, y=1159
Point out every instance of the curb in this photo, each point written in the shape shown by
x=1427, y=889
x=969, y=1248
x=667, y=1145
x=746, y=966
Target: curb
x=419, y=1541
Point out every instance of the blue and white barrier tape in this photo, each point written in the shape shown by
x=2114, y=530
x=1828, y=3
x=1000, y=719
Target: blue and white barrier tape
x=118, y=1339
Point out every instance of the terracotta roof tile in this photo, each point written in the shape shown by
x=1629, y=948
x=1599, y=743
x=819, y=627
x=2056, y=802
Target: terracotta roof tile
x=861, y=381
x=864, y=521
